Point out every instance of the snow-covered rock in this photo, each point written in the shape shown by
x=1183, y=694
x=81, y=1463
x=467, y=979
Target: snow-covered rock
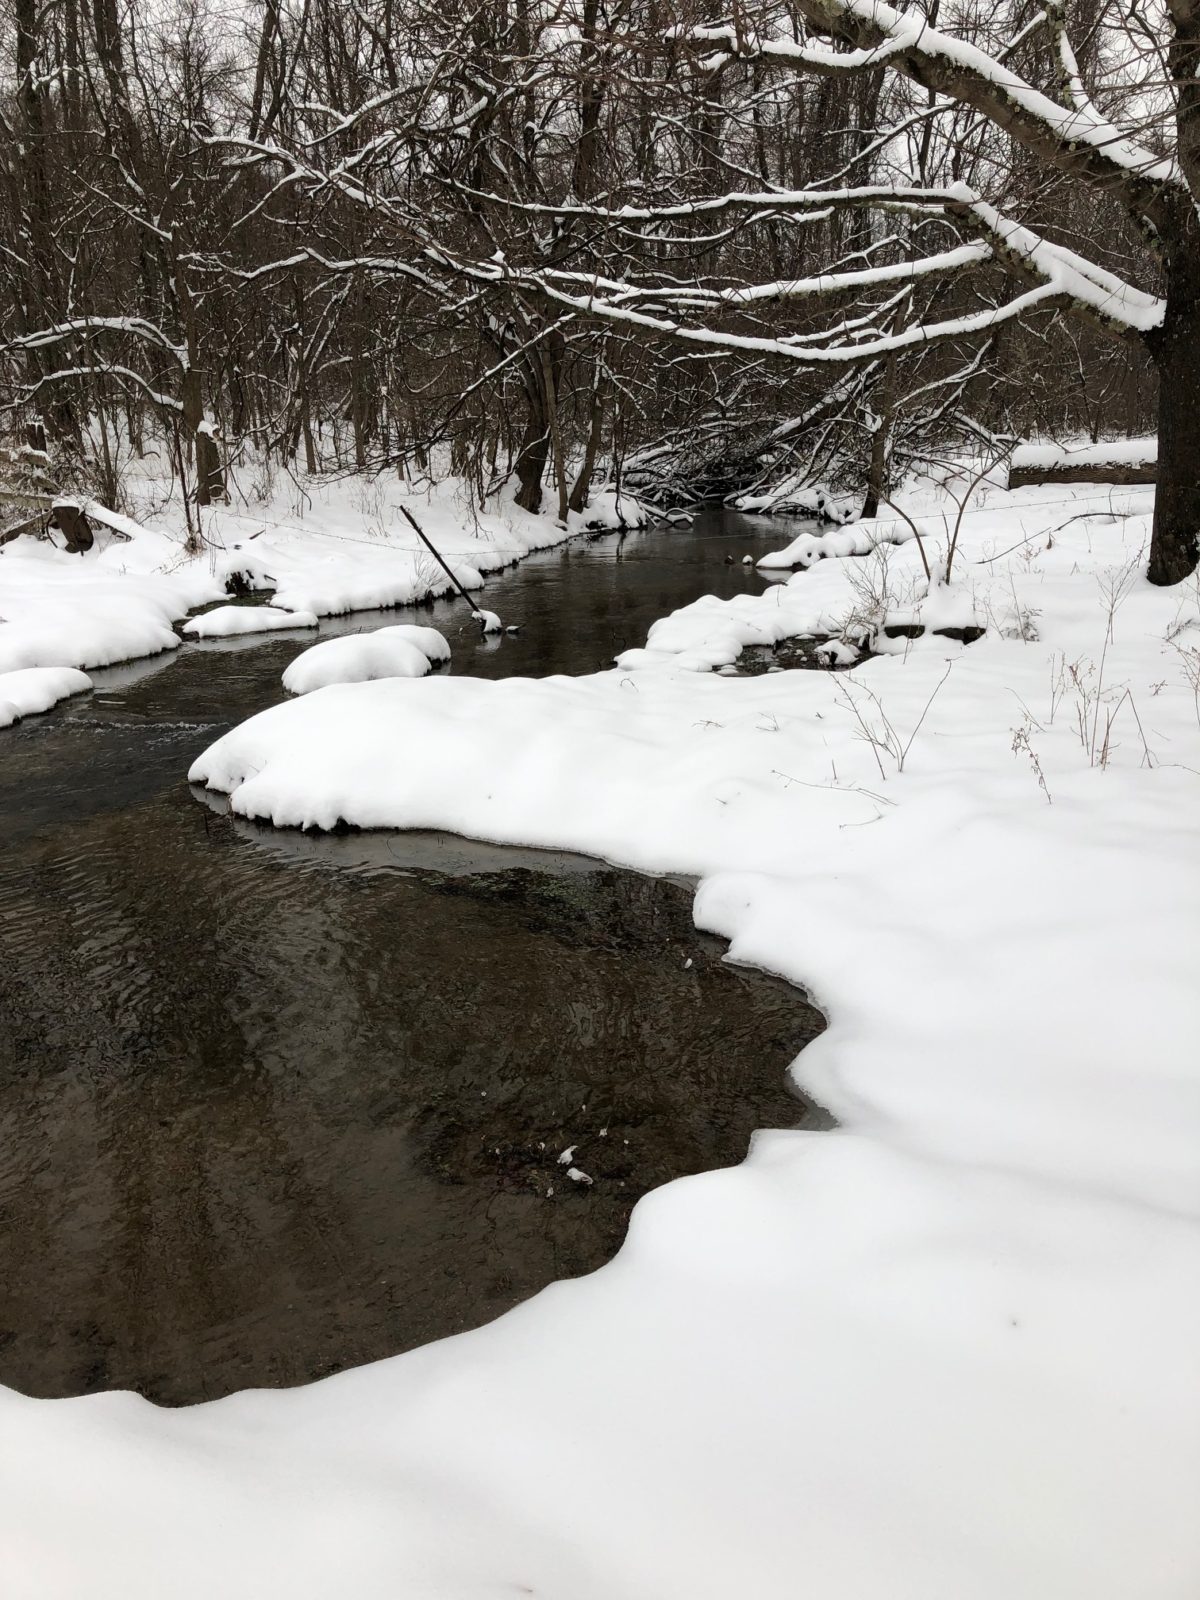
x=32, y=689
x=225, y=622
x=837, y=652
x=794, y=497
x=607, y=509
x=402, y=651
x=488, y=621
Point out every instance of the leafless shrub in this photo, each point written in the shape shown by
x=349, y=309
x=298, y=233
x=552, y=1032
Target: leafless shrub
x=875, y=727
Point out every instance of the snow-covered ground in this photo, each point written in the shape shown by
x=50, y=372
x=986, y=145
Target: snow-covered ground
x=325, y=546
x=949, y=1351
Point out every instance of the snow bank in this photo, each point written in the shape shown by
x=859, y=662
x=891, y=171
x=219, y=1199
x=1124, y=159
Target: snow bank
x=855, y=606
x=32, y=689
x=951, y=1349
x=226, y=622
x=397, y=652
x=607, y=509
x=808, y=548
x=79, y=613
x=325, y=547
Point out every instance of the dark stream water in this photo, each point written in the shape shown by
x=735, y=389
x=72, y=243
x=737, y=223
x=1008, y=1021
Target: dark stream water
x=272, y=1104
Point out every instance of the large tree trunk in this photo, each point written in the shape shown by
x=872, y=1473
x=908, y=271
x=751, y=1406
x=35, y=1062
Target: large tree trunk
x=532, y=459
x=583, y=483
x=877, y=472
x=534, y=452
x=550, y=384
x=1176, y=351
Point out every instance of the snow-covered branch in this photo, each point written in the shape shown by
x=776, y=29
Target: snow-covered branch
x=1076, y=138
x=84, y=327
x=1048, y=295
x=1057, y=275
x=164, y=402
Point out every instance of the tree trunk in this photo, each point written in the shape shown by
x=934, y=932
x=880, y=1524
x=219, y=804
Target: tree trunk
x=535, y=443
x=210, y=475
x=1176, y=351
x=877, y=473
x=531, y=462
x=583, y=483
x=197, y=433
x=550, y=385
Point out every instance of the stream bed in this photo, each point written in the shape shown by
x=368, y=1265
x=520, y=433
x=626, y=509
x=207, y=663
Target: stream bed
x=275, y=1104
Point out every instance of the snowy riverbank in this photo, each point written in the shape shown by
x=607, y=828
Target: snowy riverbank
x=325, y=546
x=948, y=1350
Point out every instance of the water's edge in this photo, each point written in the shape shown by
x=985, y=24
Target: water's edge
x=274, y=1104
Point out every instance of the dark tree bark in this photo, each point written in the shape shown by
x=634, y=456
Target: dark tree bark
x=1175, y=347
x=532, y=459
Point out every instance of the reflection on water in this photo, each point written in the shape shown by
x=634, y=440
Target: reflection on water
x=272, y=1105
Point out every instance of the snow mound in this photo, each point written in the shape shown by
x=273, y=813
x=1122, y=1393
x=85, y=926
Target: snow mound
x=33, y=689
x=403, y=651
x=795, y=498
x=57, y=615
x=942, y=608
x=488, y=621
x=808, y=548
x=607, y=509
x=227, y=621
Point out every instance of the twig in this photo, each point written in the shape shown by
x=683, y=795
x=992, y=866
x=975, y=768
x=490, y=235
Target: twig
x=405, y=512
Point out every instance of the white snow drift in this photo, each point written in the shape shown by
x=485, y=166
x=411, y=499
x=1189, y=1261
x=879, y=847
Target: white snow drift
x=33, y=689
x=949, y=1350
x=397, y=652
x=227, y=622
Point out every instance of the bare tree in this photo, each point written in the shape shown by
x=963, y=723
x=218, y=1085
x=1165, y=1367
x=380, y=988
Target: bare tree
x=557, y=238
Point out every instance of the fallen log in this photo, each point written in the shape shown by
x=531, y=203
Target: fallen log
x=1127, y=472
x=1122, y=461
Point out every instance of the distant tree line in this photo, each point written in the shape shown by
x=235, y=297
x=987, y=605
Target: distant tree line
x=361, y=233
